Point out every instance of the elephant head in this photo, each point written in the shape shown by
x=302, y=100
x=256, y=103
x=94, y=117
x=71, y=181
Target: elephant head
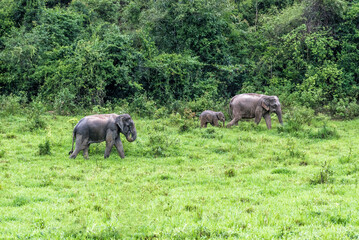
x=271, y=104
x=220, y=117
x=127, y=127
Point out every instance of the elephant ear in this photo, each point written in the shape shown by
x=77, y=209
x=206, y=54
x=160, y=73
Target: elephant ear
x=119, y=122
x=265, y=104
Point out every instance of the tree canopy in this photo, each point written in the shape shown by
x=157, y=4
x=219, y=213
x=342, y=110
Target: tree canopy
x=87, y=52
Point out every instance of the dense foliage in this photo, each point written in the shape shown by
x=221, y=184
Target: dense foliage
x=83, y=53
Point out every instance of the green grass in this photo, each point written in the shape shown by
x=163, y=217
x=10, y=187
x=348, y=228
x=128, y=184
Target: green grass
x=180, y=182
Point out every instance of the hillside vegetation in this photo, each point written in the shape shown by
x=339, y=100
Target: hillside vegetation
x=85, y=53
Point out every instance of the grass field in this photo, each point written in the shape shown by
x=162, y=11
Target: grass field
x=180, y=182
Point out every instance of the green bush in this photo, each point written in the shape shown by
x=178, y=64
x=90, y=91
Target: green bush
x=161, y=112
x=295, y=120
x=324, y=132
x=44, y=148
x=36, y=121
x=65, y=102
x=143, y=106
x=230, y=172
x=35, y=115
x=211, y=133
x=323, y=176
x=12, y=104
x=20, y=201
x=301, y=115
x=344, y=109
x=2, y=153
x=160, y=144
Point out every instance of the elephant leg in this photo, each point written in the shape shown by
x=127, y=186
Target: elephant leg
x=215, y=122
x=203, y=122
x=119, y=147
x=234, y=121
x=86, y=152
x=258, y=119
x=110, y=141
x=109, y=146
x=268, y=120
x=81, y=144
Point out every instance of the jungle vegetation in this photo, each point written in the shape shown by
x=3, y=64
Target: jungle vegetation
x=171, y=53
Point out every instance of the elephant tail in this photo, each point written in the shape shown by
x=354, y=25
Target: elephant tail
x=73, y=140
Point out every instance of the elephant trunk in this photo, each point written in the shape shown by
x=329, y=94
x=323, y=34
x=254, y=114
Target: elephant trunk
x=279, y=114
x=223, y=123
x=132, y=135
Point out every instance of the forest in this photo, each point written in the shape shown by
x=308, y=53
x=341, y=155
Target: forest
x=171, y=54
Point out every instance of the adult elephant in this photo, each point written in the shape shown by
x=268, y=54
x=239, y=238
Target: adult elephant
x=103, y=127
x=252, y=105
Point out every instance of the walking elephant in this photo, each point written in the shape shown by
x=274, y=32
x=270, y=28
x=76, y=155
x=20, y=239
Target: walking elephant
x=102, y=127
x=252, y=105
x=211, y=117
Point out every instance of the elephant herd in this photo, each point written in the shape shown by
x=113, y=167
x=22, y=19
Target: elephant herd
x=107, y=127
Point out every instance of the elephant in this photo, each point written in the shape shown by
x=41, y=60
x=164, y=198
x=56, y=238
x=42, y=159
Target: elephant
x=252, y=105
x=102, y=127
x=211, y=117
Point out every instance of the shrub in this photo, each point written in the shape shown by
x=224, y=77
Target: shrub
x=347, y=158
x=143, y=106
x=159, y=144
x=121, y=106
x=184, y=127
x=2, y=153
x=45, y=148
x=207, y=102
x=290, y=127
x=344, y=109
x=323, y=176
x=20, y=201
x=65, y=102
x=39, y=223
x=300, y=115
x=98, y=109
x=161, y=112
x=35, y=119
x=324, y=132
x=291, y=150
x=296, y=118
x=11, y=104
x=230, y=173
x=36, y=122
x=211, y=133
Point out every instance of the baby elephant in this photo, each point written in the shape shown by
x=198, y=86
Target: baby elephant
x=211, y=117
x=103, y=127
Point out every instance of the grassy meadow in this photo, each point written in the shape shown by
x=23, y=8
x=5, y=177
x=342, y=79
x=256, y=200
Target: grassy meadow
x=181, y=182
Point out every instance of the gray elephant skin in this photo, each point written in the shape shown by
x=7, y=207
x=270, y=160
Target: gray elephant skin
x=103, y=127
x=211, y=117
x=252, y=105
